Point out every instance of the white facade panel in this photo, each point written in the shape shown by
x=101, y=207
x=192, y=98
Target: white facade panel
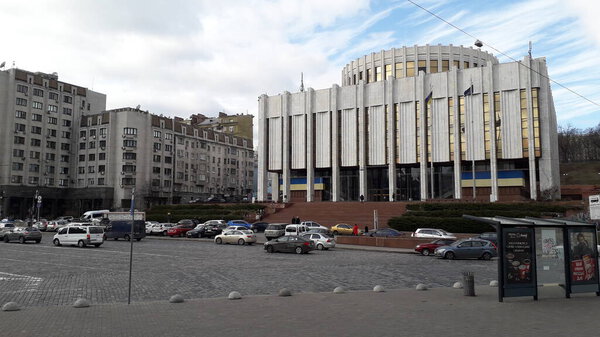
x=323, y=140
x=275, y=143
x=298, y=141
x=474, y=127
x=349, y=141
x=274, y=106
x=376, y=136
x=440, y=134
x=512, y=142
x=347, y=98
x=322, y=100
x=407, y=129
x=297, y=104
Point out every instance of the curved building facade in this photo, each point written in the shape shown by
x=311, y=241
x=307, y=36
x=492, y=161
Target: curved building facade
x=414, y=123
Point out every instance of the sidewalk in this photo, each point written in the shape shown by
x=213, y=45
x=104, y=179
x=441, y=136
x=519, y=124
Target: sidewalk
x=261, y=241
x=407, y=312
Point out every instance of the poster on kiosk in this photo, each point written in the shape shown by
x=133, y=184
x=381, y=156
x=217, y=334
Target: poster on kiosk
x=583, y=261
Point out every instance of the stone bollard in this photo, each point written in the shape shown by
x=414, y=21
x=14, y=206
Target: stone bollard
x=285, y=292
x=421, y=287
x=11, y=306
x=457, y=285
x=469, y=283
x=378, y=289
x=176, y=299
x=339, y=290
x=234, y=295
x=493, y=283
x=81, y=303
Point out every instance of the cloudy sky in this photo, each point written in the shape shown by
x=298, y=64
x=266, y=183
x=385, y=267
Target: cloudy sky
x=180, y=57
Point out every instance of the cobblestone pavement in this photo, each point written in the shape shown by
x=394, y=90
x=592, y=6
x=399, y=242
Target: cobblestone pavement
x=42, y=275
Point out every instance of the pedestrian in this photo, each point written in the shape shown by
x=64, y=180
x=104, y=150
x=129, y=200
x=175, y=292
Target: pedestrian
x=366, y=229
x=293, y=220
x=355, y=230
x=285, y=198
x=362, y=198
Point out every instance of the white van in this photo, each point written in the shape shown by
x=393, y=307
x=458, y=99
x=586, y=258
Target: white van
x=94, y=216
x=80, y=236
x=296, y=229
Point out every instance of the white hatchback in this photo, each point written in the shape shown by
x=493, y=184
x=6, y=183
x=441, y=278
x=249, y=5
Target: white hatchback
x=433, y=233
x=80, y=236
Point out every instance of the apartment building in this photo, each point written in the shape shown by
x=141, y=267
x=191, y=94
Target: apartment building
x=239, y=124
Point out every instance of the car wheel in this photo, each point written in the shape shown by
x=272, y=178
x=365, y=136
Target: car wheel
x=80, y=244
x=218, y=241
x=127, y=237
x=320, y=247
x=298, y=250
x=165, y=233
x=56, y=242
x=115, y=239
x=21, y=239
x=241, y=242
x=6, y=239
x=335, y=233
x=486, y=256
x=38, y=241
x=270, y=249
x=425, y=252
x=255, y=230
x=449, y=256
x=181, y=234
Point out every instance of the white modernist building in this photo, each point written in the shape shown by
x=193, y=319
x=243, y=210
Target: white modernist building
x=414, y=123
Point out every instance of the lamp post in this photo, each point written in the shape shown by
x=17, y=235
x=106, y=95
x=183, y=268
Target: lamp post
x=169, y=217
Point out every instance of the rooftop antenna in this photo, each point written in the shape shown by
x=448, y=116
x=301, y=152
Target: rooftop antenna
x=138, y=107
x=301, y=82
x=2, y=64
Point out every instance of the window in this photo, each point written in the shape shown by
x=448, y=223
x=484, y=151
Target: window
x=63, y=183
x=67, y=99
x=102, y=144
x=37, y=105
x=21, y=101
x=51, y=132
x=38, y=92
x=50, y=169
x=129, y=143
x=81, y=170
x=52, y=108
x=22, y=88
x=168, y=171
x=129, y=168
x=36, y=117
x=65, y=146
x=64, y=159
x=167, y=183
x=128, y=181
x=92, y=157
x=129, y=155
x=157, y=146
x=35, y=142
x=102, y=156
x=445, y=65
x=168, y=148
x=156, y=158
x=34, y=168
x=66, y=122
x=168, y=136
x=18, y=153
x=410, y=68
x=64, y=170
x=100, y=181
x=20, y=127
x=91, y=169
x=53, y=95
x=67, y=111
x=92, y=145
x=168, y=160
x=156, y=134
x=49, y=181
x=50, y=145
x=388, y=71
x=90, y=181
x=93, y=133
x=378, y=74
x=82, y=146
x=130, y=131
x=155, y=182
x=36, y=130
x=82, y=134
x=82, y=157
x=156, y=170
x=66, y=134
x=102, y=131
x=52, y=120
x=21, y=114
x=433, y=66
x=17, y=166
x=50, y=156
x=16, y=179
x=422, y=66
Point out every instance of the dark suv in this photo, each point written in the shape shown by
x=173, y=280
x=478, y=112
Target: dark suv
x=275, y=230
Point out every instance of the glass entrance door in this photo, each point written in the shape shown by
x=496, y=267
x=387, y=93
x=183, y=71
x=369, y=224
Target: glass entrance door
x=550, y=258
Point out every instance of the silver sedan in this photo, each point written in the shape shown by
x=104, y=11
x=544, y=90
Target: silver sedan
x=239, y=237
x=322, y=241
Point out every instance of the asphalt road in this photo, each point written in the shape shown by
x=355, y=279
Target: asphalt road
x=43, y=275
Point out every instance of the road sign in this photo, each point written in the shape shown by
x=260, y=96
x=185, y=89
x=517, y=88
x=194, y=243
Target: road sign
x=595, y=207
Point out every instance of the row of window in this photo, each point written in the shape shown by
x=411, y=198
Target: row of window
x=40, y=93
x=92, y=133
x=33, y=180
x=404, y=69
x=92, y=145
x=38, y=118
x=18, y=153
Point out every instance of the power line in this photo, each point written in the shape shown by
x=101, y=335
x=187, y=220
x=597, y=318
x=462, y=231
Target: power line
x=502, y=53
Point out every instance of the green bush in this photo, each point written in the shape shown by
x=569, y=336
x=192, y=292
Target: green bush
x=453, y=225
x=457, y=213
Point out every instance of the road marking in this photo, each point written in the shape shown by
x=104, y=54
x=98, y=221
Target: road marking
x=56, y=264
x=94, y=250
x=30, y=283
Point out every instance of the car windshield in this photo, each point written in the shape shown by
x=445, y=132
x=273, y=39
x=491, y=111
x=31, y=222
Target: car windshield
x=456, y=243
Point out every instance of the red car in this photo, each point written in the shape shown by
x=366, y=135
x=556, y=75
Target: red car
x=180, y=230
x=428, y=248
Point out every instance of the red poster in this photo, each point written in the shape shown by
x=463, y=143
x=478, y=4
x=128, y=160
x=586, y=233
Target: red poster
x=583, y=270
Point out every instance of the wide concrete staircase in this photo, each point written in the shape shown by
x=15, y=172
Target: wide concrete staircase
x=331, y=213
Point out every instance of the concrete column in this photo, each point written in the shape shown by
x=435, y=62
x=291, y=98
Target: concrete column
x=335, y=149
x=488, y=75
x=274, y=177
x=285, y=115
x=530, y=139
x=453, y=75
x=262, y=178
x=362, y=141
x=310, y=148
x=391, y=136
x=420, y=95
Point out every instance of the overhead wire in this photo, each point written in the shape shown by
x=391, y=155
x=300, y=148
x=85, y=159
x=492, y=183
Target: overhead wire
x=502, y=53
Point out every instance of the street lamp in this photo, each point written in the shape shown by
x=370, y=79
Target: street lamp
x=169, y=217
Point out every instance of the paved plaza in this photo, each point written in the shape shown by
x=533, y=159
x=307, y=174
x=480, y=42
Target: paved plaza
x=44, y=275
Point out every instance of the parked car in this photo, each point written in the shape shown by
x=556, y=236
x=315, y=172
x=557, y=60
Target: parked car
x=467, y=249
x=41, y=224
x=79, y=235
x=342, y=229
x=433, y=233
x=23, y=234
x=215, y=228
x=197, y=232
x=313, y=225
x=259, y=226
x=150, y=225
x=241, y=237
x=490, y=236
x=187, y=222
x=121, y=229
x=322, y=241
x=65, y=218
x=294, y=229
x=428, y=248
x=290, y=244
x=385, y=232
x=180, y=230
x=319, y=231
x=275, y=230
x=55, y=225
x=231, y=223
x=161, y=228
